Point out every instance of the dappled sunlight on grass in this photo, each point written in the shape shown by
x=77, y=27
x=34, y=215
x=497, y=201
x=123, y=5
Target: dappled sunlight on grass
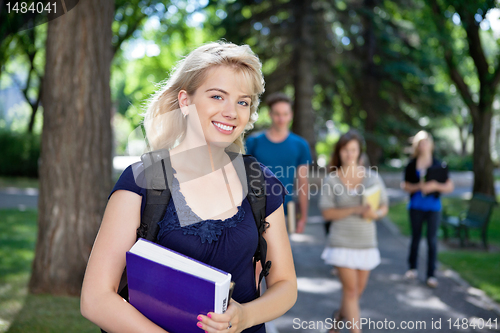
x=13, y=293
x=480, y=269
x=17, y=244
x=19, y=311
x=50, y=314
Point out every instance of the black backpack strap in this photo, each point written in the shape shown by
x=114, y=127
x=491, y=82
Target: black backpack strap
x=157, y=198
x=257, y=198
x=158, y=173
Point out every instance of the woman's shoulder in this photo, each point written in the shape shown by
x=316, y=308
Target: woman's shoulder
x=132, y=179
x=371, y=177
x=270, y=178
x=438, y=162
x=412, y=162
x=267, y=173
x=274, y=189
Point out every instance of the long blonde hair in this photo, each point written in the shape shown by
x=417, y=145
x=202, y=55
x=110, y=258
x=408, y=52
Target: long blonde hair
x=189, y=74
x=421, y=135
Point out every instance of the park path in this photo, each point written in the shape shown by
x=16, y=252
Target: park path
x=388, y=295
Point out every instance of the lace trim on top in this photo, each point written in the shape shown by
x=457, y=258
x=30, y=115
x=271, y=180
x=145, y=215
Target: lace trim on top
x=207, y=230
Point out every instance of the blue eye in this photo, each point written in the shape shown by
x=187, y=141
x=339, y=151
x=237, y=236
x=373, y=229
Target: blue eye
x=243, y=103
x=217, y=97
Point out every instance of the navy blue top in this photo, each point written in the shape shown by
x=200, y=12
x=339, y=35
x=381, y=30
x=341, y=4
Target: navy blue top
x=283, y=158
x=225, y=244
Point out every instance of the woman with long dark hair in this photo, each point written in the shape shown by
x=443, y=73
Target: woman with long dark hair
x=352, y=241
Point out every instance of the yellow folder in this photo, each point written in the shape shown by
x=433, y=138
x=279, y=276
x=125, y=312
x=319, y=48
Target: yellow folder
x=371, y=196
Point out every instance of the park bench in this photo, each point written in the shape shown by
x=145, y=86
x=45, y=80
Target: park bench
x=476, y=217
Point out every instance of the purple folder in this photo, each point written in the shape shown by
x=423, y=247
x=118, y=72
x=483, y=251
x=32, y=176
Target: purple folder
x=169, y=297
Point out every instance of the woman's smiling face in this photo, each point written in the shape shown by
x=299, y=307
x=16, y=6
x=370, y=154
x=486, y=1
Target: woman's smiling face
x=222, y=103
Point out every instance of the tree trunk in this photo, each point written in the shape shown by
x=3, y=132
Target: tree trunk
x=370, y=84
x=464, y=137
x=304, y=116
x=35, y=107
x=484, y=181
x=75, y=163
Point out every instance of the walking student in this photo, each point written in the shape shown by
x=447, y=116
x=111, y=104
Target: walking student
x=425, y=203
x=352, y=240
x=287, y=155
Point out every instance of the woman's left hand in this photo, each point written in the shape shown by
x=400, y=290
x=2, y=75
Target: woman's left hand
x=233, y=320
x=430, y=186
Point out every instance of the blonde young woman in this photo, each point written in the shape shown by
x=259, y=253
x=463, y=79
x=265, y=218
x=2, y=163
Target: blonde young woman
x=425, y=203
x=207, y=104
x=352, y=241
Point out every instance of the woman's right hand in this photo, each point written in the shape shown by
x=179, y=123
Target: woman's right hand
x=360, y=210
x=411, y=187
x=233, y=320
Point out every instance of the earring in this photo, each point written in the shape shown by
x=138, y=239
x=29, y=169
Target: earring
x=184, y=114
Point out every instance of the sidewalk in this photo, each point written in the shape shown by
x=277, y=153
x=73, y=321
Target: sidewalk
x=387, y=296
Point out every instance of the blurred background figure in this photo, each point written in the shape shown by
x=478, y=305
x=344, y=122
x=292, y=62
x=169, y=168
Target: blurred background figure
x=425, y=178
x=286, y=154
x=365, y=162
x=352, y=242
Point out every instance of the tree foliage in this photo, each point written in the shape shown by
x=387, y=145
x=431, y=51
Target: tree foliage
x=462, y=45
x=370, y=68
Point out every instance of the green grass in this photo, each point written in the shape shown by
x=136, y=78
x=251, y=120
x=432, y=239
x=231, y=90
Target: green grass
x=398, y=214
x=49, y=314
x=17, y=242
x=19, y=310
x=21, y=182
x=478, y=267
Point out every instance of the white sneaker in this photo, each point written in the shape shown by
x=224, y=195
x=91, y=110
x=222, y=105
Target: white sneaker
x=432, y=282
x=411, y=274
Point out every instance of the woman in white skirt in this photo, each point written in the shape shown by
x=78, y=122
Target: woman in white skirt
x=352, y=241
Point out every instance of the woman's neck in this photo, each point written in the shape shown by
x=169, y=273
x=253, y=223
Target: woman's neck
x=276, y=132
x=189, y=142
x=425, y=156
x=217, y=156
x=348, y=169
x=204, y=158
